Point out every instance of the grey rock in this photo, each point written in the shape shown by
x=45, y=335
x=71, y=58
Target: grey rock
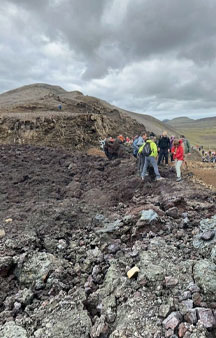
x=11, y=330
x=37, y=268
x=164, y=310
x=185, y=306
x=148, y=215
x=173, y=212
x=193, y=288
x=206, y=317
x=208, y=235
x=205, y=277
x=64, y=317
x=170, y=281
x=172, y=321
x=113, y=248
x=6, y=264
x=191, y=316
x=213, y=254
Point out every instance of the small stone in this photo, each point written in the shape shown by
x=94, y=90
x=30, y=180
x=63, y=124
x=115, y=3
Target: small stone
x=185, y=295
x=193, y=287
x=208, y=235
x=8, y=220
x=197, y=298
x=171, y=281
x=169, y=333
x=2, y=233
x=183, y=327
x=164, y=310
x=132, y=272
x=113, y=248
x=172, y=321
x=173, y=212
x=206, y=317
x=148, y=215
x=185, y=306
x=5, y=265
x=191, y=316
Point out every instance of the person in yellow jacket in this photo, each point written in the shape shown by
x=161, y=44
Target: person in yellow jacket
x=151, y=158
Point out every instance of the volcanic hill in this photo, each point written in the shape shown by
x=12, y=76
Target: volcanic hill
x=30, y=115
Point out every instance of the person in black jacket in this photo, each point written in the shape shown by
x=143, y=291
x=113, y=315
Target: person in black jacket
x=163, y=147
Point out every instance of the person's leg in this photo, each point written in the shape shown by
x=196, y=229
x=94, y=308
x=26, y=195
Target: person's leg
x=145, y=167
x=160, y=156
x=166, y=156
x=178, y=169
x=154, y=164
x=142, y=160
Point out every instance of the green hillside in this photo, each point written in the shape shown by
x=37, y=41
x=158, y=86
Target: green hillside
x=199, y=132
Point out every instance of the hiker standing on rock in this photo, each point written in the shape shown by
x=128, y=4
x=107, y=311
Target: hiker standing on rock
x=150, y=152
x=163, y=148
x=178, y=155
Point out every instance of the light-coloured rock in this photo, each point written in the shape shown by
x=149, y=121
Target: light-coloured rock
x=148, y=215
x=2, y=233
x=164, y=310
x=133, y=271
x=11, y=330
x=205, y=277
x=185, y=306
x=8, y=220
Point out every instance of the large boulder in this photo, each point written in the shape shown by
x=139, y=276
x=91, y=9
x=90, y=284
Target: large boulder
x=11, y=330
x=205, y=277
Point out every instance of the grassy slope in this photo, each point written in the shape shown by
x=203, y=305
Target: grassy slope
x=199, y=132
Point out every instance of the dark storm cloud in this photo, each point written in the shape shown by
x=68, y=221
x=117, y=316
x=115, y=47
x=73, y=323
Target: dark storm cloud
x=142, y=54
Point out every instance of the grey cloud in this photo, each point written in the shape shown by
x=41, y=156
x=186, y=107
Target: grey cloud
x=144, y=55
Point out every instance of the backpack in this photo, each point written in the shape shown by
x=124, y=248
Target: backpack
x=147, y=149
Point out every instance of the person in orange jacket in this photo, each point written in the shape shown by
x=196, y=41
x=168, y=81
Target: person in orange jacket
x=178, y=155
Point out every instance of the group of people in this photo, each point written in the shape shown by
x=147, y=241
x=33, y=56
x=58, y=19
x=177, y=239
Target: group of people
x=150, y=151
x=153, y=151
x=208, y=156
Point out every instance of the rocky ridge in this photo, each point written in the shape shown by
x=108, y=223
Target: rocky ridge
x=73, y=225
x=30, y=115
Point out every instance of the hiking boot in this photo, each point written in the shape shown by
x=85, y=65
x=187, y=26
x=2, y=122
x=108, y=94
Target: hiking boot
x=178, y=179
x=159, y=178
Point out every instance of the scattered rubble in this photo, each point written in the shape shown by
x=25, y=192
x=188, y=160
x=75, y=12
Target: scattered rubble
x=76, y=238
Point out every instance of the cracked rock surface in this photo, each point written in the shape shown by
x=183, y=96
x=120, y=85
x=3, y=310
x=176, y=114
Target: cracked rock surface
x=73, y=225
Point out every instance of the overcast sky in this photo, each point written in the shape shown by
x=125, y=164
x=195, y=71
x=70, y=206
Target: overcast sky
x=152, y=56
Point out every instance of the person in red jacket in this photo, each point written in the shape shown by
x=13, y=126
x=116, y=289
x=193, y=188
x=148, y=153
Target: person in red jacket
x=178, y=156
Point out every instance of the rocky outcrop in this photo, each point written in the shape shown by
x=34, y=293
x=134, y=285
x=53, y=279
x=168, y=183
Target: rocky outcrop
x=30, y=115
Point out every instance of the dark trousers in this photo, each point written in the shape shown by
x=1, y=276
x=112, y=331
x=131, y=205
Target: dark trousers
x=163, y=153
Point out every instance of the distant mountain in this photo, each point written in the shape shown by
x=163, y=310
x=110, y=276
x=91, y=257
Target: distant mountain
x=153, y=124
x=200, y=131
